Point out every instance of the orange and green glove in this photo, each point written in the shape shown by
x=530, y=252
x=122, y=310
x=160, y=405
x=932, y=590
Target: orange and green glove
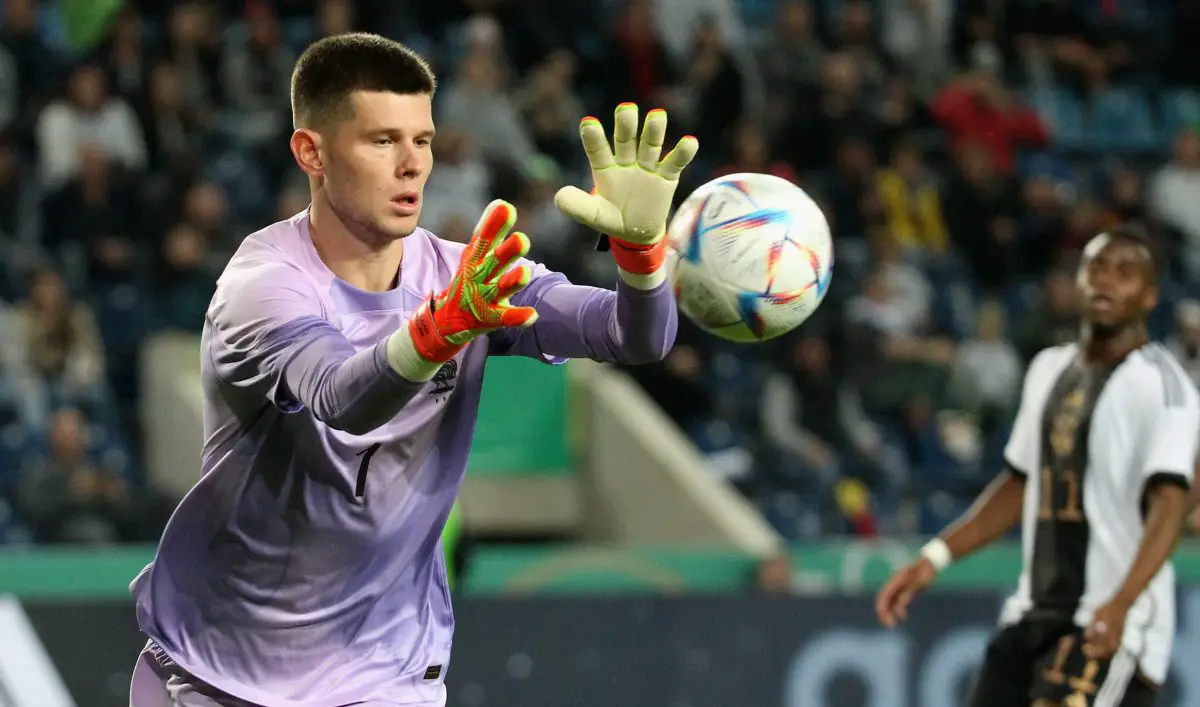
x=634, y=189
x=476, y=302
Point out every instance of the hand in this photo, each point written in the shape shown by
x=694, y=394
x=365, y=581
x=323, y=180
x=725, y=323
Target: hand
x=477, y=298
x=634, y=189
x=1102, y=639
x=891, y=606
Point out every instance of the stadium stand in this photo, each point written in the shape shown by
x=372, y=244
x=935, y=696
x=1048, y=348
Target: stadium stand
x=962, y=149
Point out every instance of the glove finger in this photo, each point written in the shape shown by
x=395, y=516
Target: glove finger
x=518, y=316
x=495, y=223
x=595, y=144
x=654, y=133
x=514, y=247
x=679, y=158
x=511, y=282
x=625, y=122
x=589, y=209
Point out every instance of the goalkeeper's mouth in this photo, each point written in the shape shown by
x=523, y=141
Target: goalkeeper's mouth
x=407, y=204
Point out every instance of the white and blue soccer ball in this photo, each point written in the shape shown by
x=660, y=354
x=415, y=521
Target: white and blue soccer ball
x=750, y=257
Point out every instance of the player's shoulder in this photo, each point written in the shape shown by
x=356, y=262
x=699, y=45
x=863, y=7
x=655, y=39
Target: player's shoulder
x=1050, y=362
x=443, y=250
x=281, y=250
x=1155, y=377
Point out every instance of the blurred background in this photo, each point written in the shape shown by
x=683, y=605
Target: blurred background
x=713, y=526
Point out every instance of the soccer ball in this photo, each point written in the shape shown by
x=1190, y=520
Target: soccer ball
x=750, y=257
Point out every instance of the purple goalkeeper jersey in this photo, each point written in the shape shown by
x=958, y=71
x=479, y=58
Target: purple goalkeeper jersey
x=304, y=568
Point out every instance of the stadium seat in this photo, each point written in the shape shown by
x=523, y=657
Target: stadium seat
x=1121, y=120
x=794, y=515
x=1180, y=108
x=1062, y=113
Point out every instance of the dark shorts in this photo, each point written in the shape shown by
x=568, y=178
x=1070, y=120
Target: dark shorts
x=1035, y=660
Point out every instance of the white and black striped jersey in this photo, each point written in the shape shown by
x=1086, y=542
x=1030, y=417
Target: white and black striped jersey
x=1090, y=441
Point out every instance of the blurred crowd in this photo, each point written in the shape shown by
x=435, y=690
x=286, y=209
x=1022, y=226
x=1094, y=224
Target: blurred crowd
x=963, y=151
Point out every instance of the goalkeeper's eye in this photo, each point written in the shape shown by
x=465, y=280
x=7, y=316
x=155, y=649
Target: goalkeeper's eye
x=423, y=142
x=383, y=141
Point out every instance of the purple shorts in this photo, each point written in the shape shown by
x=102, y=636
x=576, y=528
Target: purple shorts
x=159, y=682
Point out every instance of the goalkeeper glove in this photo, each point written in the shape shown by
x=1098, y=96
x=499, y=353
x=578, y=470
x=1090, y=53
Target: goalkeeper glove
x=634, y=190
x=475, y=302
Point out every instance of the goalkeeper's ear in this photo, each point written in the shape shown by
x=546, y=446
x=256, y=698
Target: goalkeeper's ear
x=306, y=150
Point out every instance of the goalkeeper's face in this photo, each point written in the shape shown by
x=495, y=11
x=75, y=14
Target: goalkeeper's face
x=376, y=163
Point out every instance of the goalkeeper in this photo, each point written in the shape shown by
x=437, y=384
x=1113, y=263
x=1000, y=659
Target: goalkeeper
x=304, y=569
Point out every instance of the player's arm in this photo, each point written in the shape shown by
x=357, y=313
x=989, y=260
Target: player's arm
x=1166, y=478
x=270, y=336
x=634, y=190
x=997, y=511
x=631, y=325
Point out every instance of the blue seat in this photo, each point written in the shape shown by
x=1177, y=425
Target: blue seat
x=795, y=516
x=1062, y=113
x=1121, y=119
x=1180, y=108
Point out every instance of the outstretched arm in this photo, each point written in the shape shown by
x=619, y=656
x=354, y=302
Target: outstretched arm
x=267, y=332
x=634, y=190
x=630, y=325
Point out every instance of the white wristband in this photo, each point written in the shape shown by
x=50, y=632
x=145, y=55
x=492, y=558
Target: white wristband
x=938, y=554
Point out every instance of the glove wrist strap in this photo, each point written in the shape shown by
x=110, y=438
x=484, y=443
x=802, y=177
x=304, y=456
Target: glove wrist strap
x=430, y=343
x=639, y=258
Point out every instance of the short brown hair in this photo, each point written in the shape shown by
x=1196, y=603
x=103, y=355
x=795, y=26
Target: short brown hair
x=334, y=67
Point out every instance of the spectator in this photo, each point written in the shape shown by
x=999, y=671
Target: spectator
x=751, y=153
x=637, y=67
x=790, y=57
x=126, y=62
x=186, y=283
x=855, y=36
x=714, y=85
x=851, y=190
x=193, y=46
x=335, y=17
x=910, y=288
x=551, y=107
x=1173, y=197
x=61, y=339
x=978, y=108
x=911, y=203
x=174, y=130
x=896, y=356
x=90, y=214
x=87, y=116
x=917, y=36
x=816, y=422
x=459, y=187
x=257, y=71
x=1055, y=320
x=988, y=371
x=980, y=209
x=1184, y=341
x=475, y=103
x=825, y=118
x=1042, y=226
x=28, y=66
x=556, y=240
x=66, y=498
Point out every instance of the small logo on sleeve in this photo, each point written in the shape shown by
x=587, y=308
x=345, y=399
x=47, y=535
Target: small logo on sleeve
x=444, y=380
x=432, y=672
